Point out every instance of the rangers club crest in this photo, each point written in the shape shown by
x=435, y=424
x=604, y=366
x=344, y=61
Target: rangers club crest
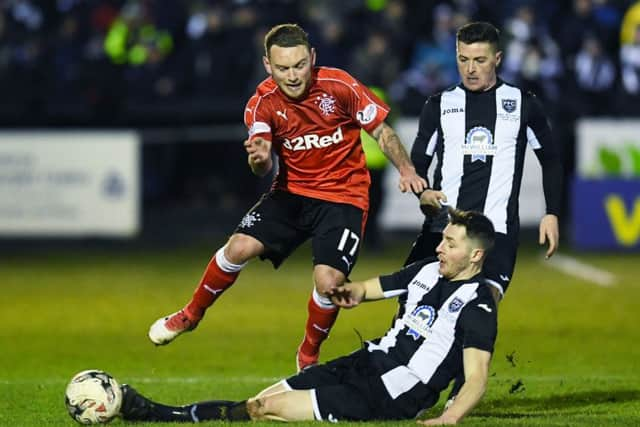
x=326, y=103
x=250, y=219
x=509, y=105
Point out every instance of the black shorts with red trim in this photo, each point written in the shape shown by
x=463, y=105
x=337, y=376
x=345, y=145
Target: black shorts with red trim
x=282, y=221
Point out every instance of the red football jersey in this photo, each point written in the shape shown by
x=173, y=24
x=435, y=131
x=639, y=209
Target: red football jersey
x=317, y=138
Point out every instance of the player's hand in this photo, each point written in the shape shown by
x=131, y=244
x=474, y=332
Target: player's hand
x=549, y=232
x=346, y=296
x=259, y=150
x=411, y=181
x=259, y=155
x=440, y=421
x=431, y=201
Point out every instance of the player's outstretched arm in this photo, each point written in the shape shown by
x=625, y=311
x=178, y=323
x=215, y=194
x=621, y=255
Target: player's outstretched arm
x=259, y=155
x=549, y=232
x=351, y=294
x=394, y=150
x=476, y=373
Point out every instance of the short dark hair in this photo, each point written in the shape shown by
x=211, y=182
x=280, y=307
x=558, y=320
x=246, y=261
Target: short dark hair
x=286, y=35
x=478, y=226
x=479, y=32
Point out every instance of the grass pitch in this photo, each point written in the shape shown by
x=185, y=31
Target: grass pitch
x=567, y=351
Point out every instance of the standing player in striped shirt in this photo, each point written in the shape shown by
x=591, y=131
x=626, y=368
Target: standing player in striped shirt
x=479, y=130
x=311, y=118
x=450, y=324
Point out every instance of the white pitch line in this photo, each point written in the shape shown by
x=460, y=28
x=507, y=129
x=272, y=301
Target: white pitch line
x=582, y=270
x=501, y=376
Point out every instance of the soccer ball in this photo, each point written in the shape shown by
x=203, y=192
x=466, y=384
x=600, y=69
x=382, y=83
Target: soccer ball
x=93, y=397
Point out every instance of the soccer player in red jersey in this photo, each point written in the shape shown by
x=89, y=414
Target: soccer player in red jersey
x=310, y=117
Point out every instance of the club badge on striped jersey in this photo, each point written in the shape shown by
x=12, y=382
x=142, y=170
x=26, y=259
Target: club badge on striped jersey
x=509, y=105
x=479, y=144
x=455, y=305
x=419, y=321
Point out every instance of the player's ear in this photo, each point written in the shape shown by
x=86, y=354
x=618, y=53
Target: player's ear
x=267, y=65
x=313, y=57
x=476, y=255
x=498, y=57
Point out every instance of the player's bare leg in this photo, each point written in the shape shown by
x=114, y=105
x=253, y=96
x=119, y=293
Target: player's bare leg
x=322, y=314
x=221, y=272
x=291, y=405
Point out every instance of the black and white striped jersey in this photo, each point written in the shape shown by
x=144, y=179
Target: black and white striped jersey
x=422, y=352
x=479, y=140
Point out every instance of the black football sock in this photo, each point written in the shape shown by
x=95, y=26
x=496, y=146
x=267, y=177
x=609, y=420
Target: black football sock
x=159, y=412
x=219, y=410
x=136, y=407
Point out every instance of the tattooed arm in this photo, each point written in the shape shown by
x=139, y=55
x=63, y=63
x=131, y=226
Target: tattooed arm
x=394, y=150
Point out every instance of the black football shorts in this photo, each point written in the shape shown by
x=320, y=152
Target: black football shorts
x=350, y=388
x=283, y=221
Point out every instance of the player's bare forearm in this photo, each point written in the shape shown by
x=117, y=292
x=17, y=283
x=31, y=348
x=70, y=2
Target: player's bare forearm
x=476, y=367
x=468, y=397
x=392, y=147
x=394, y=150
x=372, y=289
x=352, y=294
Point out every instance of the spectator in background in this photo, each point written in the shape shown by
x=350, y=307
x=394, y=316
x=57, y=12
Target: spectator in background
x=628, y=101
x=206, y=41
x=532, y=59
x=24, y=63
x=573, y=28
x=215, y=31
x=134, y=39
x=135, y=42
x=587, y=19
x=594, y=74
x=431, y=68
x=375, y=63
x=608, y=16
x=325, y=21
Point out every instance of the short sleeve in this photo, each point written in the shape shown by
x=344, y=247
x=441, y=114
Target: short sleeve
x=257, y=118
x=479, y=324
x=401, y=279
x=364, y=107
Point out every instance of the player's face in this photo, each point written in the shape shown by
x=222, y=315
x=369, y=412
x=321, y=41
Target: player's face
x=454, y=253
x=477, y=63
x=291, y=68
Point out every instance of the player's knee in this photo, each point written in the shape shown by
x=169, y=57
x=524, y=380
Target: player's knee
x=260, y=407
x=241, y=248
x=327, y=279
x=254, y=408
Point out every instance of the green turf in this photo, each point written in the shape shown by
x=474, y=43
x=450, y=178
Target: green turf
x=567, y=352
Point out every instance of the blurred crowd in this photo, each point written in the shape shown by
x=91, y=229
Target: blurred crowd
x=149, y=62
